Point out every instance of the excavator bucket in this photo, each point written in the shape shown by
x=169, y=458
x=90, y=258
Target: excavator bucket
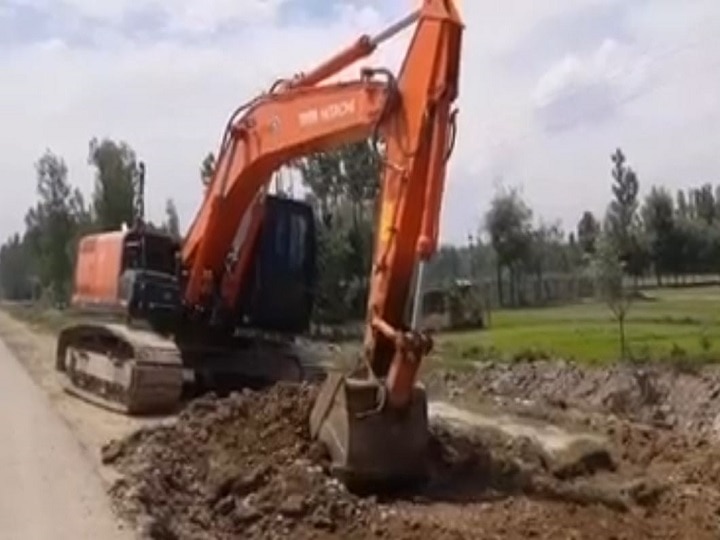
x=372, y=446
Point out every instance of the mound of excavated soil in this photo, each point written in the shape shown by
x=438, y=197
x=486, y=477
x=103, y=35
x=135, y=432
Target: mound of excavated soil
x=244, y=467
x=240, y=467
x=675, y=396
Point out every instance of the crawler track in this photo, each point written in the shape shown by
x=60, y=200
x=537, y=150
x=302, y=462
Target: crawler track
x=128, y=370
x=138, y=372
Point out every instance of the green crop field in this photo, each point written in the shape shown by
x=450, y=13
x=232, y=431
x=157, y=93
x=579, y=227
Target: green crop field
x=678, y=324
x=668, y=323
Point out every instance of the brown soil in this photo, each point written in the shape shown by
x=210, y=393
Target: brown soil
x=244, y=467
x=679, y=396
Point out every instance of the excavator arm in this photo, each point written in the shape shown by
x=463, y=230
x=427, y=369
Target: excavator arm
x=274, y=131
x=412, y=113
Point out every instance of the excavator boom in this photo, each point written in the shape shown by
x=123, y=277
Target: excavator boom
x=413, y=114
x=184, y=303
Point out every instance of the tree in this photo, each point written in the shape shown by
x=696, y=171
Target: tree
x=116, y=175
x=622, y=220
x=574, y=254
x=637, y=257
x=343, y=185
x=508, y=223
x=360, y=168
x=172, y=221
x=692, y=203
x=705, y=203
x=682, y=205
x=322, y=175
x=545, y=251
x=622, y=209
x=15, y=281
x=588, y=230
x=608, y=271
x=333, y=251
x=444, y=267
x=207, y=168
x=53, y=225
x=659, y=220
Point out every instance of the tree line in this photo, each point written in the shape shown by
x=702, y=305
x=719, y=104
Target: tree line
x=38, y=262
x=663, y=235
x=341, y=186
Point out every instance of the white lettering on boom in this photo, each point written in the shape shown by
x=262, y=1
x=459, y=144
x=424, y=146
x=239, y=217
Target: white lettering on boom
x=328, y=113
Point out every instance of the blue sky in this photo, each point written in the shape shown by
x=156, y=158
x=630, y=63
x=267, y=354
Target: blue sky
x=548, y=90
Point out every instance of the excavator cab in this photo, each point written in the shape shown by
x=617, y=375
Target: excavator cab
x=149, y=284
x=130, y=273
x=279, y=295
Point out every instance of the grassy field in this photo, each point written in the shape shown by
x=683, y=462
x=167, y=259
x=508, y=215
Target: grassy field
x=677, y=324
x=673, y=323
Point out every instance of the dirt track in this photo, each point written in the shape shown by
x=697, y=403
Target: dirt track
x=244, y=465
x=93, y=427
x=47, y=487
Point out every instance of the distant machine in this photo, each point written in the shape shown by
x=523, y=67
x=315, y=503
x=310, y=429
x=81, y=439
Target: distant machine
x=457, y=306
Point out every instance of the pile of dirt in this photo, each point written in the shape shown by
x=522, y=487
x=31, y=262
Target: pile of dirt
x=241, y=466
x=244, y=466
x=682, y=397
x=659, y=484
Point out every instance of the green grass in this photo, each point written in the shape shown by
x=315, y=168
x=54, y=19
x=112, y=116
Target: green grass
x=677, y=324
x=38, y=317
x=669, y=324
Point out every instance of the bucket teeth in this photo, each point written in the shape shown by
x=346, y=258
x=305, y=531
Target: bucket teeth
x=372, y=446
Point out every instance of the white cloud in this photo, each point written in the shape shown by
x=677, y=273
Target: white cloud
x=179, y=15
x=589, y=88
x=194, y=16
x=170, y=97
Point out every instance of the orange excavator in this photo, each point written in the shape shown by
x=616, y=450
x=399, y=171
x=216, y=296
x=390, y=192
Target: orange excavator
x=220, y=308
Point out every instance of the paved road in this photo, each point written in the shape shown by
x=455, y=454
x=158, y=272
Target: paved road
x=48, y=489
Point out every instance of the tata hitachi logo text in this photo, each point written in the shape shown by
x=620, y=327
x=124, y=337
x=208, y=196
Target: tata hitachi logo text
x=333, y=111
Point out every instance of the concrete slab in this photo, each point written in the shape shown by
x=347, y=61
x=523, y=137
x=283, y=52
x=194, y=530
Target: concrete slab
x=565, y=450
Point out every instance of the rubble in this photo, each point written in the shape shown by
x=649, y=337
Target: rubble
x=245, y=467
